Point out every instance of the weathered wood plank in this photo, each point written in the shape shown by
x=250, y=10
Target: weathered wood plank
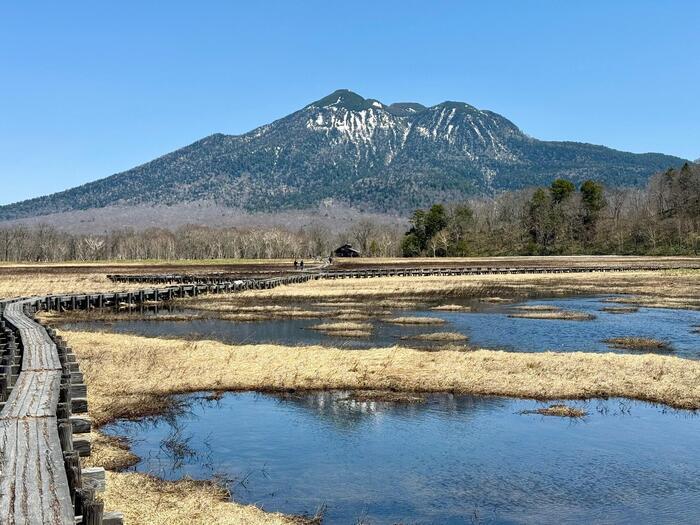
x=34, y=395
x=33, y=483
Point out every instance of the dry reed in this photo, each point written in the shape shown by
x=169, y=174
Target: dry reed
x=415, y=320
x=638, y=343
x=129, y=376
x=564, y=315
x=447, y=337
x=559, y=410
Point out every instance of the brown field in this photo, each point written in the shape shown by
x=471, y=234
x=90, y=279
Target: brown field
x=18, y=280
x=130, y=376
x=668, y=288
x=516, y=261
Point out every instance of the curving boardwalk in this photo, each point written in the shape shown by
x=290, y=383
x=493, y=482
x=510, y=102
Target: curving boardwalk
x=33, y=482
x=325, y=273
x=41, y=482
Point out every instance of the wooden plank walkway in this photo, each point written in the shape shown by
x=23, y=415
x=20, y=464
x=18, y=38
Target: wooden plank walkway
x=40, y=476
x=324, y=273
x=33, y=483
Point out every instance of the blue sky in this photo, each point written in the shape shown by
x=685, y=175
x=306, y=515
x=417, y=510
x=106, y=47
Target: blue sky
x=88, y=89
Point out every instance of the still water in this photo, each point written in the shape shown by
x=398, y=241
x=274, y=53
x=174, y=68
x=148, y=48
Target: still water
x=450, y=460
x=487, y=326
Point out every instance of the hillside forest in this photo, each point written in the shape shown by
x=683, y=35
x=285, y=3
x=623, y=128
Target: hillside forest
x=662, y=218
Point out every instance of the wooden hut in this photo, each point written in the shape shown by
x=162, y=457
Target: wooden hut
x=346, y=250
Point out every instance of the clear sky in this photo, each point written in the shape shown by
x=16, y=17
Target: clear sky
x=88, y=89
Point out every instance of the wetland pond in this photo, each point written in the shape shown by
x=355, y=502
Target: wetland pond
x=486, y=326
x=450, y=459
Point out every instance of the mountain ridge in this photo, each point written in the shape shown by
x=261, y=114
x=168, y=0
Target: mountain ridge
x=348, y=148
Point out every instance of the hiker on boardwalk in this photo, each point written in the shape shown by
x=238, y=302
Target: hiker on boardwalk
x=296, y=264
x=301, y=264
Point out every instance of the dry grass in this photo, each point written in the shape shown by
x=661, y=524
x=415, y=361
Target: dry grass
x=536, y=308
x=342, y=326
x=128, y=376
x=514, y=261
x=385, y=396
x=564, y=315
x=638, y=343
x=415, y=320
x=620, y=309
x=111, y=316
x=680, y=302
x=111, y=453
x=47, y=281
x=350, y=334
x=445, y=337
x=146, y=500
x=559, y=410
x=452, y=308
x=679, y=287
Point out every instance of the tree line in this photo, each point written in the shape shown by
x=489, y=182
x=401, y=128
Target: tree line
x=662, y=218
x=45, y=243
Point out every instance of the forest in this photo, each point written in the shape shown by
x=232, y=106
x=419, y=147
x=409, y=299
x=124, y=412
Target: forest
x=662, y=218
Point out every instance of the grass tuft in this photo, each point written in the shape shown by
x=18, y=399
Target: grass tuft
x=415, y=320
x=638, y=343
x=564, y=315
x=448, y=337
x=558, y=410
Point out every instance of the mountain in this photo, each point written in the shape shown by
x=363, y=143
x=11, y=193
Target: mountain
x=349, y=149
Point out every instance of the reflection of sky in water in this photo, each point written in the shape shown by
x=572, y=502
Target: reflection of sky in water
x=450, y=460
x=488, y=327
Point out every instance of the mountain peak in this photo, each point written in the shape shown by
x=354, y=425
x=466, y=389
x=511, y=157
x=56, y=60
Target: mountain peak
x=452, y=104
x=356, y=150
x=344, y=98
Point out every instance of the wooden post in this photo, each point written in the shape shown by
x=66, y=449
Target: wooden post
x=93, y=512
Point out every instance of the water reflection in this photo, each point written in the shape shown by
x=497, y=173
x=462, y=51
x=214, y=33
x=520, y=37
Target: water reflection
x=451, y=459
x=487, y=326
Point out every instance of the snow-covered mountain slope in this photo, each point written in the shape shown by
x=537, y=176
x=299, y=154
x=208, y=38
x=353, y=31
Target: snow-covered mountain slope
x=361, y=151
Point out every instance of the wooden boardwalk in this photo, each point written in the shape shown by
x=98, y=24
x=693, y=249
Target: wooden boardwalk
x=325, y=273
x=41, y=390
x=33, y=483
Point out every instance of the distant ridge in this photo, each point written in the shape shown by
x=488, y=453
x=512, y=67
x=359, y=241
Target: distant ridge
x=345, y=148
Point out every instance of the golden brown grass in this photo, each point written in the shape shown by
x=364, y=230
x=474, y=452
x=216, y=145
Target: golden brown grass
x=342, y=326
x=536, y=308
x=109, y=452
x=659, y=301
x=679, y=287
x=620, y=309
x=445, y=337
x=47, y=281
x=107, y=315
x=638, y=343
x=146, y=500
x=514, y=261
x=452, y=308
x=564, y=315
x=385, y=396
x=559, y=410
x=128, y=375
x=415, y=320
